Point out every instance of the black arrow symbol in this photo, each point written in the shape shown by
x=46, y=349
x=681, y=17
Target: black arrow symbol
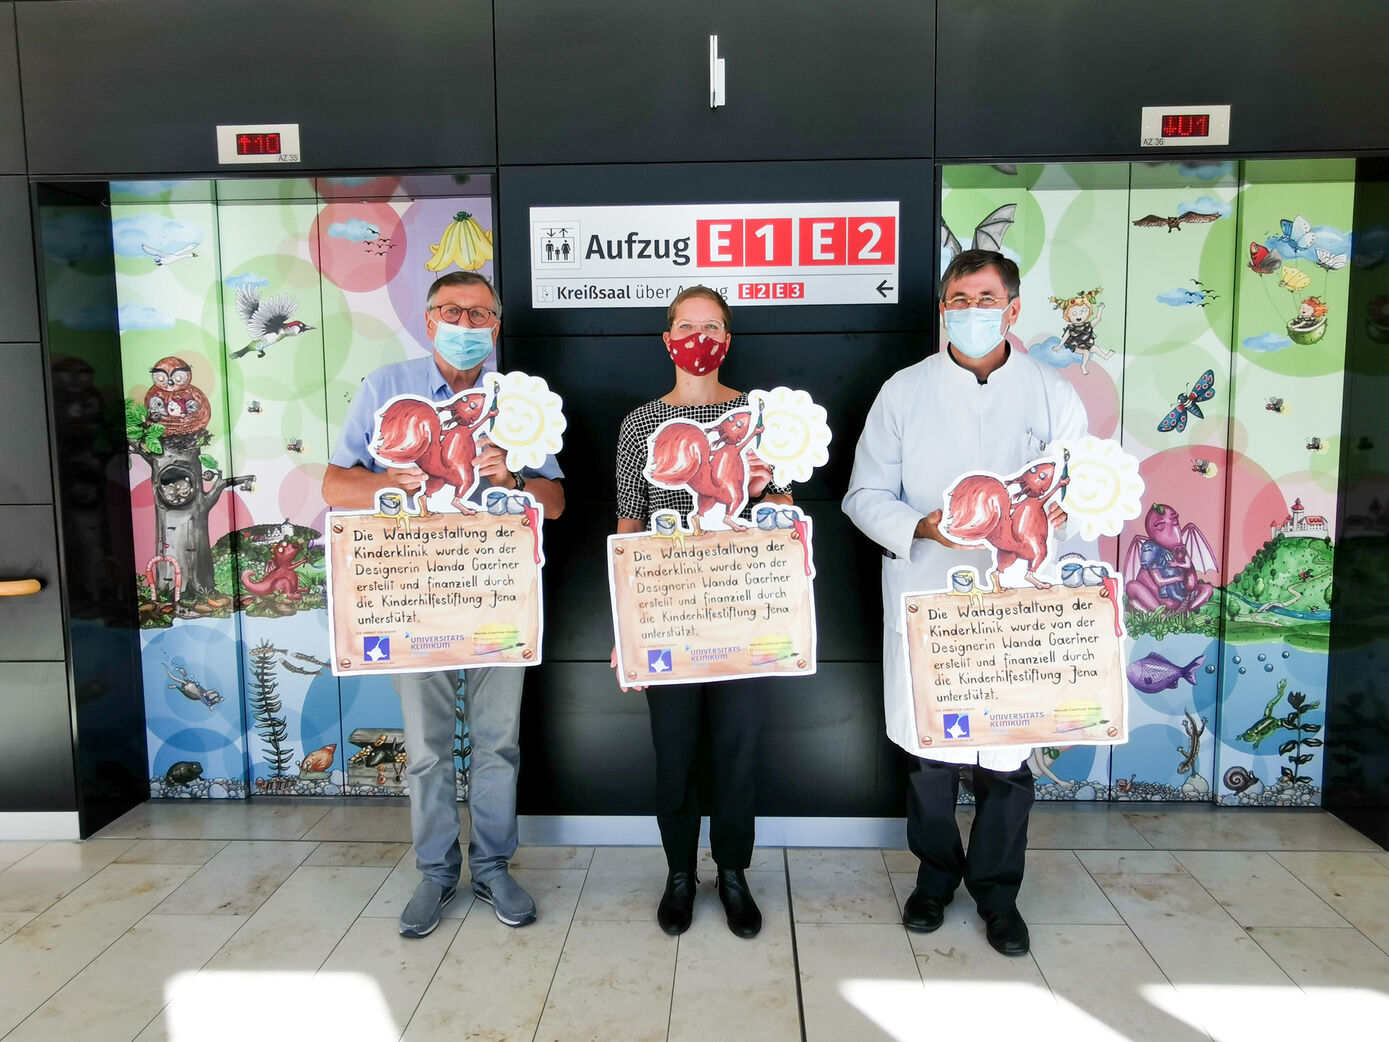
x=883, y=288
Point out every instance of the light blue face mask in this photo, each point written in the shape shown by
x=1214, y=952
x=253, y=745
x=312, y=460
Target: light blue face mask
x=975, y=331
x=462, y=347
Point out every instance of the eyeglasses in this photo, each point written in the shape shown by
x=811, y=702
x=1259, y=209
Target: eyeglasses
x=713, y=328
x=477, y=316
x=985, y=300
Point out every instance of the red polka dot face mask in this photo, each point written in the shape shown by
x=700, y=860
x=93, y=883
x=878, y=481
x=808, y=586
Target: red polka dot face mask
x=697, y=353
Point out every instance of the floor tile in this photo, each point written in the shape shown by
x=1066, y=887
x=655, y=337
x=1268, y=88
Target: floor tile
x=12, y=850
x=1105, y=984
x=764, y=859
x=172, y=852
x=728, y=987
x=238, y=880
x=1057, y=889
x=381, y=822
x=301, y=923
x=234, y=1005
x=841, y=886
x=860, y=981
x=1356, y=885
x=401, y=967
x=10, y=922
x=123, y=988
x=37, y=880
x=42, y=956
x=217, y=819
x=1097, y=827
x=1130, y=862
x=1256, y=890
x=624, y=883
x=901, y=861
x=1217, y=829
x=494, y=980
x=358, y=855
x=552, y=857
x=1326, y=958
x=614, y=980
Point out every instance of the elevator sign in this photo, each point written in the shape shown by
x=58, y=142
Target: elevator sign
x=754, y=254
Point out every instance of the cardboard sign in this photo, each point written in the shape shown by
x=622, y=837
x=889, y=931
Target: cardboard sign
x=1020, y=667
x=412, y=594
x=1034, y=655
x=717, y=606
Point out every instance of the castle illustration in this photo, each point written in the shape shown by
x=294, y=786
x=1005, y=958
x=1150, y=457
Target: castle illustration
x=1298, y=525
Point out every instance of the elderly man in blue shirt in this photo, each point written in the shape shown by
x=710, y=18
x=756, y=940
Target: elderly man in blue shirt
x=462, y=319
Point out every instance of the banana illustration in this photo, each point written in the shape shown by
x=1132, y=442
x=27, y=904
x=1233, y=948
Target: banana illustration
x=464, y=243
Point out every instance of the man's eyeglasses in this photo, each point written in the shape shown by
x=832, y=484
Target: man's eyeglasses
x=986, y=300
x=713, y=328
x=477, y=316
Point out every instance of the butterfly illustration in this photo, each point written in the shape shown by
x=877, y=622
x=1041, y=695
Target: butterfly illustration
x=1330, y=261
x=1297, y=233
x=1263, y=260
x=1202, y=390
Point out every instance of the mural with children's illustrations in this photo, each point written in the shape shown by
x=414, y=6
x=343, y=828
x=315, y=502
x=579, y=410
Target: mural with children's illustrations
x=1198, y=309
x=249, y=312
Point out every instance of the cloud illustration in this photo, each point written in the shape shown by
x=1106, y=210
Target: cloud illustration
x=130, y=234
x=1050, y=352
x=1206, y=204
x=1206, y=171
x=144, y=188
x=1180, y=297
x=353, y=230
x=1267, y=342
x=247, y=278
x=140, y=316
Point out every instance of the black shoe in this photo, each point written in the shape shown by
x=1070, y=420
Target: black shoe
x=677, y=904
x=1007, y=933
x=923, y=912
x=744, y=917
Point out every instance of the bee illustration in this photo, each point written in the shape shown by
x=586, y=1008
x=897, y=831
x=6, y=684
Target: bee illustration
x=297, y=445
x=254, y=406
x=1205, y=468
x=1315, y=444
x=1277, y=405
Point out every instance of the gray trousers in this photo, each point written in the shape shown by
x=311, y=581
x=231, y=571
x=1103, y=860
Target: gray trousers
x=492, y=699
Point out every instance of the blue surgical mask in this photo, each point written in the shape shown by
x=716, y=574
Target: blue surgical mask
x=975, y=331
x=462, y=347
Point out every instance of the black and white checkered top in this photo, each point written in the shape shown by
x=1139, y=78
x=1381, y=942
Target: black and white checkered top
x=637, y=498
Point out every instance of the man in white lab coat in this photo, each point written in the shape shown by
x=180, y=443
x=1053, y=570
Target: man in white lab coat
x=979, y=404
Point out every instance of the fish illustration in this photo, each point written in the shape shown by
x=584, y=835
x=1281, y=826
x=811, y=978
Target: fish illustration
x=183, y=772
x=319, y=760
x=1153, y=673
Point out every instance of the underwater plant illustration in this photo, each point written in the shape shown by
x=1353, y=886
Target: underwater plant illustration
x=1268, y=725
x=266, y=707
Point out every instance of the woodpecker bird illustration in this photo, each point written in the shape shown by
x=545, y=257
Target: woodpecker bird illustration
x=269, y=320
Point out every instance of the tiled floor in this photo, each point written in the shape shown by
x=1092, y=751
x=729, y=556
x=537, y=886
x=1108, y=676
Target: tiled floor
x=234, y=921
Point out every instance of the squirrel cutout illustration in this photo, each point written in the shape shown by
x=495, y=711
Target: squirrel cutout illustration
x=981, y=509
x=439, y=438
x=707, y=461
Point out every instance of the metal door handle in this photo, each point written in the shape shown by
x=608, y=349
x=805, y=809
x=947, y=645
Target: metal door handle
x=19, y=587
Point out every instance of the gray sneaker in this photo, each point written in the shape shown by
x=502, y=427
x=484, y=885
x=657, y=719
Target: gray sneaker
x=421, y=915
x=512, y=904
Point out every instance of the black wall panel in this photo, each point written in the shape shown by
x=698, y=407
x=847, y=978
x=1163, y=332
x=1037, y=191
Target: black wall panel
x=909, y=182
x=628, y=80
x=24, y=465
x=36, y=772
x=11, y=118
x=31, y=627
x=19, y=307
x=586, y=746
x=1018, y=78
x=137, y=86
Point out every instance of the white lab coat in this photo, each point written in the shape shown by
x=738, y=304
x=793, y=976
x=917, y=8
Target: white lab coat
x=930, y=423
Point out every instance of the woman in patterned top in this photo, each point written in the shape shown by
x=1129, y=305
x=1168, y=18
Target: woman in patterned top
x=697, y=339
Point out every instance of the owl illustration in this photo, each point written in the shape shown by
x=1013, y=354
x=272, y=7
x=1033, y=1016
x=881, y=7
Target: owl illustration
x=173, y=400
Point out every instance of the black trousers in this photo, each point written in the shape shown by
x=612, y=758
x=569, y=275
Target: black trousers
x=705, y=732
x=992, y=872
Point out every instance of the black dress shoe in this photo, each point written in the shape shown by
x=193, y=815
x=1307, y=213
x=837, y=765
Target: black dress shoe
x=744, y=917
x=1007, y=933
x=924, y=912
x=677, y=904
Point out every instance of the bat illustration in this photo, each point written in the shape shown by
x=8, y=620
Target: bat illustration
x=988, y=233
x=1174, y=224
